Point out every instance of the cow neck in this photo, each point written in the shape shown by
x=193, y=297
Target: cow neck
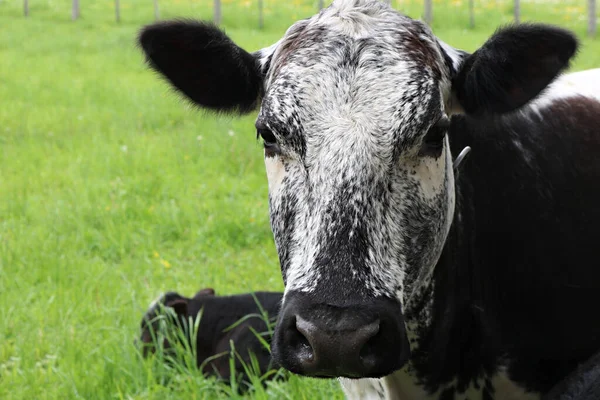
x=447, y=326
x=451, y=282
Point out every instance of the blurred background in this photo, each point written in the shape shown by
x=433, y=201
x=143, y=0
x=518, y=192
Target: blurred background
x=114, y=190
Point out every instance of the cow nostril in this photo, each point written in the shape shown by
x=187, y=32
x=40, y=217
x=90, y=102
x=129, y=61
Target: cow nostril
x=368, y=352
x=300, y=339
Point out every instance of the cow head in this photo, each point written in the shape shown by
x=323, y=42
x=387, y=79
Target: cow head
x=168, y=311
x=354, y=106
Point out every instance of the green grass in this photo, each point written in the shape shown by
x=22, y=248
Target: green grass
x=112, y=190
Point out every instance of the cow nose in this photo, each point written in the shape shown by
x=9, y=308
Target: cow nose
x=351, y=345
x=356, y=341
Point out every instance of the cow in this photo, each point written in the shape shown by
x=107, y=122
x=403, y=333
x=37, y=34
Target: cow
x=410, y=270
x=225, y=324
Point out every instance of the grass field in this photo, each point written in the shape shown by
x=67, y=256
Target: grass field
x=112, y=191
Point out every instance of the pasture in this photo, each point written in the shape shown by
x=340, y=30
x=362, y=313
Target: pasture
x=113, y=190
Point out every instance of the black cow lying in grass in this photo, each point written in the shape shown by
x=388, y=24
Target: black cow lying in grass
x=238, y=326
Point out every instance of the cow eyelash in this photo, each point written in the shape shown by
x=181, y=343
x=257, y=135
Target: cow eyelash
x=266, y=135
x=433, y=142
x=269, y=141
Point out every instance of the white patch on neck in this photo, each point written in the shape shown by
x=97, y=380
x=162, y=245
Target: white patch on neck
x=398, y=386
x=363, y=389
x=505, y=389
x=402, y=385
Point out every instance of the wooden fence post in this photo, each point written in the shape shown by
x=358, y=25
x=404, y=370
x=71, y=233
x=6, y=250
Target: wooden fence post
x=592, y=15
x=117, y=11
x=75, y=12
x=472, y=13
x=261, y=17
x=517, y=11
x=428, y=12
x=156, y=12
x=217, y=12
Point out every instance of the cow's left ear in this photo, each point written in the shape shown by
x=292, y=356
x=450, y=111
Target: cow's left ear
x=512, y=68
x=205, y=292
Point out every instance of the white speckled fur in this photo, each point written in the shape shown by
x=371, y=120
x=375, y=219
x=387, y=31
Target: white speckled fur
x=343, y=114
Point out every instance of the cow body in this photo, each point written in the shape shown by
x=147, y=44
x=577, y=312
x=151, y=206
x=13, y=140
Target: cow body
x=508, y=313
x=215, y=336
x=405, y=278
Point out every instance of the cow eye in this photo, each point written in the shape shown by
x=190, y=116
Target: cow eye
x=269, y=141
x=433, y=142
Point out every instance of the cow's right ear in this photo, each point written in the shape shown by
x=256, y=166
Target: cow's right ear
x=180, y=306
x=203, y=63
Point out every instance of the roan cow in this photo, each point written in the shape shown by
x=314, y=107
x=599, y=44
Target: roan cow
x=223, y=320
x=404, y=278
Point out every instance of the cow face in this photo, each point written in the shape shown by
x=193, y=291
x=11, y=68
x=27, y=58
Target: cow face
x=354, y=107
x=168, y=311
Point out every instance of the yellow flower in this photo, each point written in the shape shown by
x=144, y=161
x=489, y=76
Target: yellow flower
x=574, y=10
x=107, y=208
x=155, y=254
x=186, y=157
x=165, y=263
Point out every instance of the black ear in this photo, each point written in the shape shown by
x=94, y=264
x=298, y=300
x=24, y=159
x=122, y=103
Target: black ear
x=512, y=68
x=202, y=62
x=180, y=306
x=205, y=292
